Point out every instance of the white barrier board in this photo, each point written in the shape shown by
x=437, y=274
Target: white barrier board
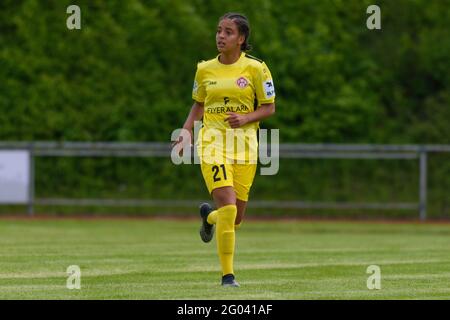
x=14, y=176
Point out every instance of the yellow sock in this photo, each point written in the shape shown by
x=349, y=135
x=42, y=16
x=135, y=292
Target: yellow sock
x=225, y=237
x=237, y=226
x=212, y=217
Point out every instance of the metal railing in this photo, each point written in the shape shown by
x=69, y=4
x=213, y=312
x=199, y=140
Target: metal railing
x=297, y=151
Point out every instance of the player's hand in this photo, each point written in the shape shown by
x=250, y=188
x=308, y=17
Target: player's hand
x=236, y=120
x=184, y=140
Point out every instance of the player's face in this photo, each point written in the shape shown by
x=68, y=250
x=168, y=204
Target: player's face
x=228, y=38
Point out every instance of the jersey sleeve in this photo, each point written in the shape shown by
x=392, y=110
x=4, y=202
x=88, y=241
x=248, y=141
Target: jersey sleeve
x=198, y=90
x=264, y=87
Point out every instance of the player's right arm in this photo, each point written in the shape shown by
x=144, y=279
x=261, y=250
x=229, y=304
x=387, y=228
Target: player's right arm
x=197, y=109
x=195, y=114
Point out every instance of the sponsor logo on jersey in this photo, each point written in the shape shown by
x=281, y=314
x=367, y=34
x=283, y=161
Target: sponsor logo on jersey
x=269, y=88
x=242, y=82
x=226, y=100
x=224, y=109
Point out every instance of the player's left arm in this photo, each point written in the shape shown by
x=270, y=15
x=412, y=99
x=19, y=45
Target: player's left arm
x=264, y=111
x=265, y=94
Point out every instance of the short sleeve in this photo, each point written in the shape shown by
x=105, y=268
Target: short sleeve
x=264, y=87
x=198, y=90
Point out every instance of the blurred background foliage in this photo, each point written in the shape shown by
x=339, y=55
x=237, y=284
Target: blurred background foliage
x=127, y=76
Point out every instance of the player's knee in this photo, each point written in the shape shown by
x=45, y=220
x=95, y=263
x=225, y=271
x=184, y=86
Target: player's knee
x=224, y=196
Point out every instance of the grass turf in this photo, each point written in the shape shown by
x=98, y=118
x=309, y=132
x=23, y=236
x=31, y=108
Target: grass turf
x=164, y=259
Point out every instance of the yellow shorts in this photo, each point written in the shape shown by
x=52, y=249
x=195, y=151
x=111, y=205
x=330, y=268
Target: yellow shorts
x=238, y=176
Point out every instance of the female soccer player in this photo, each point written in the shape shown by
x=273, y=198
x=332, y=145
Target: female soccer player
x=232, y=92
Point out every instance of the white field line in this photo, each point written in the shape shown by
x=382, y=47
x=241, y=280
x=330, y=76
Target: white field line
x=59, y=274
x=250, y=266
x=200, y=268
x=152, y=253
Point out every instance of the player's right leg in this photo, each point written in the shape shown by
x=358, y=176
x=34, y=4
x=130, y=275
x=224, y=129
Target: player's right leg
x=215, y=176
x=209, y=219
x=241, y=206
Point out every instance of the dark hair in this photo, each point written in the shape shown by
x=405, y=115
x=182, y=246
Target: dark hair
x=243, y=25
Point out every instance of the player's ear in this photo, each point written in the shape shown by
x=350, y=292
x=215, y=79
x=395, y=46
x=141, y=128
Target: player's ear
x=241, y=39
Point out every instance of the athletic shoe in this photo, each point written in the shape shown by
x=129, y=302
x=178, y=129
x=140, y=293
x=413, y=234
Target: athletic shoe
x=206, y=230
x=228, y=281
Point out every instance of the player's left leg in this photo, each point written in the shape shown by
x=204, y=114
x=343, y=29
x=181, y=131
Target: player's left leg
x=225, y=199
x=244, y=175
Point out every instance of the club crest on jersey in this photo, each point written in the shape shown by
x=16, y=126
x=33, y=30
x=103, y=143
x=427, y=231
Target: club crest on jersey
x=242, y=82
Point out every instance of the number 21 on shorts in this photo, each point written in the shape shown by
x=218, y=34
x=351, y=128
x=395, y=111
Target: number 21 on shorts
x=216, y=170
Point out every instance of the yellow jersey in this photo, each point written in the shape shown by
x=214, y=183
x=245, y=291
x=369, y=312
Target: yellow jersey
x=240, y=88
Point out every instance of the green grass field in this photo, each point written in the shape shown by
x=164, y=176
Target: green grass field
x=165, y=259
